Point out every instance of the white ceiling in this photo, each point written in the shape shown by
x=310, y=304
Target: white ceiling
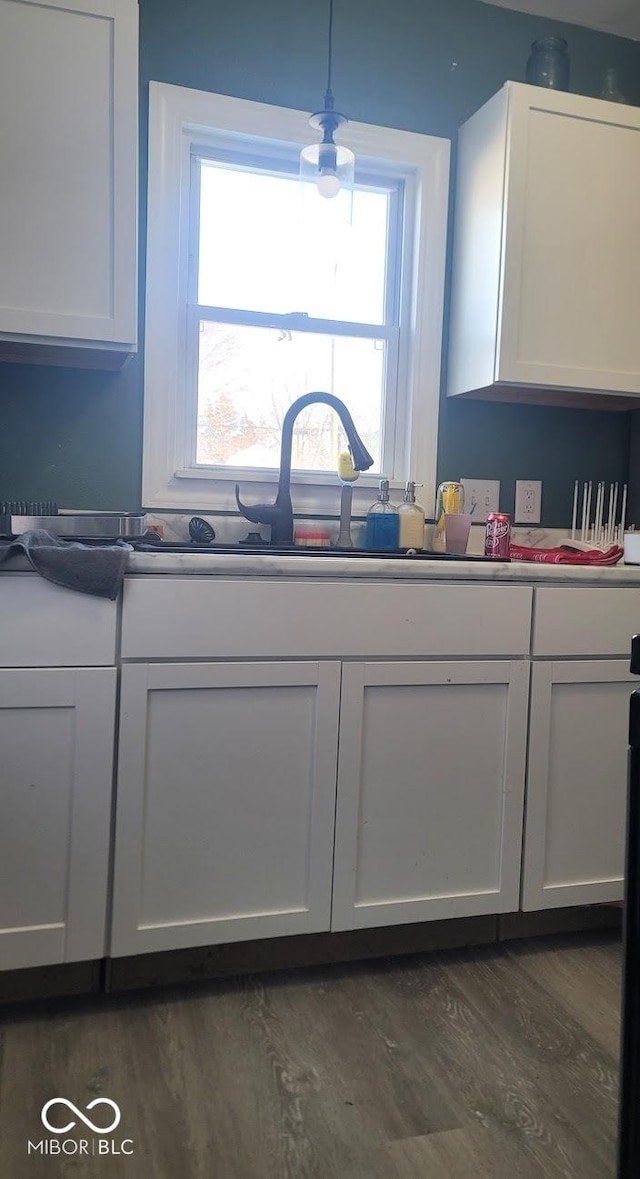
x=611, y=16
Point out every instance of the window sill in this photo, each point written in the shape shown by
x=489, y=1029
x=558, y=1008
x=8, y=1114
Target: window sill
x=220, y=475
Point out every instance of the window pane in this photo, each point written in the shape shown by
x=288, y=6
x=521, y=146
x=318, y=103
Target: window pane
x=269, y=243
x=248, y=377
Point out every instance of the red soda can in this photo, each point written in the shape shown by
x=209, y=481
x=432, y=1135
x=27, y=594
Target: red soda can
x=497, y=537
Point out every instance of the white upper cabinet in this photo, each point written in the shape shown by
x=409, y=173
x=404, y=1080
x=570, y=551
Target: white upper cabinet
x=68, y=183
x=545, y=291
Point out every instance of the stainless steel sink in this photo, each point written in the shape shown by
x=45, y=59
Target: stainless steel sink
x=145, y=545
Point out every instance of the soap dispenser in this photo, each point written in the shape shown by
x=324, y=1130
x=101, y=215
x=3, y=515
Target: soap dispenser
x=411, y=517
x=383, y=526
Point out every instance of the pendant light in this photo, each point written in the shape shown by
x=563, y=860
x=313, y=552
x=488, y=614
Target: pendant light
x=327, y=164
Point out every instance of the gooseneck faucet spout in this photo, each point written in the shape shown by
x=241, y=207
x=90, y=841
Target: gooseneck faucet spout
x=280, y=514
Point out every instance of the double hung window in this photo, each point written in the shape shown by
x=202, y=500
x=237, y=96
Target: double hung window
x=260, y=290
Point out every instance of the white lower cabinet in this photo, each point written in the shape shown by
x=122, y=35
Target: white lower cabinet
x=56, y=777
x=430, y=791
x=576, y=783
x=226, y=802
x=259, y=797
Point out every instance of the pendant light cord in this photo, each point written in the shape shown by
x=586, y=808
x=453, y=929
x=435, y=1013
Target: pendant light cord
x=330, y=53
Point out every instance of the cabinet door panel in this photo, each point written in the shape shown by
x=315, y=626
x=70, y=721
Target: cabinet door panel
x=226, y=798
x=571, y=297
x=56, y=737
x=430, y=791
x=68, y=97
x=576, y=784
x=200, y=617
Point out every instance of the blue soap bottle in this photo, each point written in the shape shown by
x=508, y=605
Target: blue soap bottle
x=383, y=522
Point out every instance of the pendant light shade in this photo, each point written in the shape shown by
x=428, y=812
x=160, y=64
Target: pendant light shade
x=328, y=165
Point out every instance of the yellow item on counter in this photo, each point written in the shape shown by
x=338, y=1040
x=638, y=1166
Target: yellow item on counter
x=452, y=498
x=450, y=502
x=346, y=469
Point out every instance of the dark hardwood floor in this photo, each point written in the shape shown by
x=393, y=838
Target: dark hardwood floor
x=495, y=1062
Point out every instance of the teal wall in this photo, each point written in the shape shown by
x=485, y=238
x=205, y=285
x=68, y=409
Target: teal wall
x=422, y=65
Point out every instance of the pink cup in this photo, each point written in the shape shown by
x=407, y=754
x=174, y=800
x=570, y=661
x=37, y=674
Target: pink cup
x=457, y=526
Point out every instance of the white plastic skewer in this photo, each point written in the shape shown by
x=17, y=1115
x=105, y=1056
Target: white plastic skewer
x=623, y=515
x=589, y=509
x=615, y=513
x=600, y=529
x=574, y=516
x=584, y=511
x=598, y=519
x=608, y=526
x=616, y=532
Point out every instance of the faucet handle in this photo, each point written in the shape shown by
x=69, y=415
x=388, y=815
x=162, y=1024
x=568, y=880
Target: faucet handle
x=258, y=513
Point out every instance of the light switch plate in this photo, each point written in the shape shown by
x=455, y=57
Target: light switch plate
x=485, y=494
x=528, y=501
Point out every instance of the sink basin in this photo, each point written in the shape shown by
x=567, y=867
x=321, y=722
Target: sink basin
x=145, y=545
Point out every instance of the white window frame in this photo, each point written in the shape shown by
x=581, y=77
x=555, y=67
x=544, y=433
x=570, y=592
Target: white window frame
x=180, y=120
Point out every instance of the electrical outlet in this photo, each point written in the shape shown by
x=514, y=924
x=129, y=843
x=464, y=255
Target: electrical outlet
x=485, y=494
x=528, y=501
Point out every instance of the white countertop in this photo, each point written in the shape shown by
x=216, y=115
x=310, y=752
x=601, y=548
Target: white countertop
x=404, y=569
x=361, y=568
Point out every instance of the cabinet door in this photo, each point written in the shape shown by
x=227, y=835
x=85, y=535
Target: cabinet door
x=226, y=800
x=430, y=791
x=68, y=114
x=570, y=300
x=56, y=778
x=576, y=783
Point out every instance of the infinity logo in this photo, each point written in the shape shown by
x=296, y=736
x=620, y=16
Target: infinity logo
x=96, y=1129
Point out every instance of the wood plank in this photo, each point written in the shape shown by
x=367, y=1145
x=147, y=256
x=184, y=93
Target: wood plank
x=540, y=1035
x=491, y=1064
x=484, y=1056
x=473, y=1152
x=592, y=995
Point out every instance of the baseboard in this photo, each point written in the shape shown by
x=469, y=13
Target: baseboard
x=177, y=967
x=287, y=953
x=546, y=921
x=51, y=982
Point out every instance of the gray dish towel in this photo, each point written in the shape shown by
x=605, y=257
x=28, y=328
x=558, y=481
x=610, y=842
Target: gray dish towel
x=90, y=569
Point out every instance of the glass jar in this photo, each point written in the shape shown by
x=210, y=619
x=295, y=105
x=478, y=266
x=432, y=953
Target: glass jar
x=610, y=87
x=450, y=499
x=548, y=63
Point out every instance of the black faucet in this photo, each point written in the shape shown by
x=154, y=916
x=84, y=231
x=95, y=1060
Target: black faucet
x=280, y=514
